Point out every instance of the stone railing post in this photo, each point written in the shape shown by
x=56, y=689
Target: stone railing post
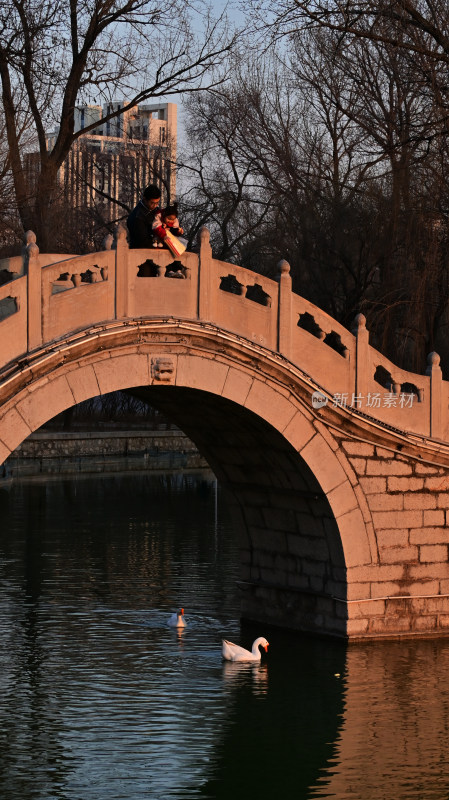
x=121, y=273
x=34, y=291
x=108, y=241
x=436, y=386
x=284, y=332
x=205, y=301
x=362, y=360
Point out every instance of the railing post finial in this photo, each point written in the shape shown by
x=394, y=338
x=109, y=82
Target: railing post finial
x=433, y=360
x=108, y=241
x=120, y=234
x=30, y=248
x=204, y=242
x=359, y=324
x=283, y=267
x=204, y=235
x=437, y=411
x=29, y=237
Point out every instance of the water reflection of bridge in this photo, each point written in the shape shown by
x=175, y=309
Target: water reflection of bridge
x=342, y=502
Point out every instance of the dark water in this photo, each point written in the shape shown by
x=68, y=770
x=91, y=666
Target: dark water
x=101, y=700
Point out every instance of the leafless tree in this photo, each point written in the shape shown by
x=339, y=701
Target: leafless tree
x=224, y=188
x=343, y=145
x=64, y=53
x=418, y=29
x=378, y=94
x=280, y=165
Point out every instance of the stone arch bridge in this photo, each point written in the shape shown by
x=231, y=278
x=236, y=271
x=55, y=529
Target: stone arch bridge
x=336, y=461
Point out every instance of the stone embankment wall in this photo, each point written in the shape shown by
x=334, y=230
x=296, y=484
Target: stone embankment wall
x=50, y=452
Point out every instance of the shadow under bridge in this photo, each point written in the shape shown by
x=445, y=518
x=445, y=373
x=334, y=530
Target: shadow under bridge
x=292, y=568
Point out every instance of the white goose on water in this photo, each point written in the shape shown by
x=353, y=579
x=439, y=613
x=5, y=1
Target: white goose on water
x=177, y=620
x=232, y=652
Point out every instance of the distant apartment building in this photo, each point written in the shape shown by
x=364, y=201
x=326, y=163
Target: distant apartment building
x=119, y=157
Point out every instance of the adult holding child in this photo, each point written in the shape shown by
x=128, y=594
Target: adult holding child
x=140, y=221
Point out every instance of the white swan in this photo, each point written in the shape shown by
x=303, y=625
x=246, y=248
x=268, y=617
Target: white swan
x=232, y=652
x=177, y=620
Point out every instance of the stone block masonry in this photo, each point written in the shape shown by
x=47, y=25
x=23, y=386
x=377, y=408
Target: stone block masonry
x=408, y=501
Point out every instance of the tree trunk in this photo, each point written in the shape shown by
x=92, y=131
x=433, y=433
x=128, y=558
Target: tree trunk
x=45, y=227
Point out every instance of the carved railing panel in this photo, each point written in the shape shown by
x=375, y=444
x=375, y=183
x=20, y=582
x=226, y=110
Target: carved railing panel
x=152, y=289
x=323, y=348
x=77, y=292
x=243, y=302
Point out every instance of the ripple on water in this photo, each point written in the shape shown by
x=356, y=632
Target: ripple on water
x=101, y=700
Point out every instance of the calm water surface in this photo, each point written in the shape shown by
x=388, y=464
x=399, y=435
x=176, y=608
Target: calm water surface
x=100, y=700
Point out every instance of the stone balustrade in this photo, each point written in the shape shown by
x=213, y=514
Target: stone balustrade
x=45, y=297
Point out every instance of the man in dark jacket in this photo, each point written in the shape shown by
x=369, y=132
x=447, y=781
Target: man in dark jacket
x=140, y=221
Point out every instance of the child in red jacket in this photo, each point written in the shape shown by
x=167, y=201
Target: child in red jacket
x=166, y=219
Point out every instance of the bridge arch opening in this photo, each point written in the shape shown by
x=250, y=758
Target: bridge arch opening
x=292, y=565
